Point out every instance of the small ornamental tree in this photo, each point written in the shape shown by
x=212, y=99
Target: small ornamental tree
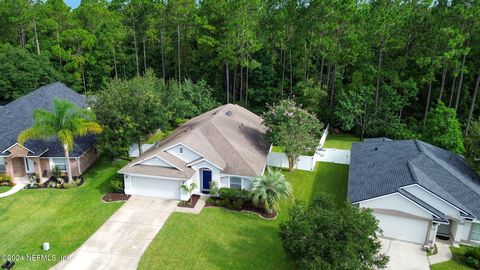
x=295, y=129
x=323, y=235
x=443, y=129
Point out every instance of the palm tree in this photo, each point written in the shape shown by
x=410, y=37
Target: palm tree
x=189, y=189
x=270, y=188
x=66, y=122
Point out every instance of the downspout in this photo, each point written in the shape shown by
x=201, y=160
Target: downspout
x=78, y=165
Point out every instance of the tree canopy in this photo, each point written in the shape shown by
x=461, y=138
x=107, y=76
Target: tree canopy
x=323, y=235
x=293, y=128
x=405, y=56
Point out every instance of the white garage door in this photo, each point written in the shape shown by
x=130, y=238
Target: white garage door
x=412, y=230
x=156, y=187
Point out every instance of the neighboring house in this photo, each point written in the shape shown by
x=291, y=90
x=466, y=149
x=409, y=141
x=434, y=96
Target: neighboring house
x=225, y=145
x=40, y=157
x=416, y=190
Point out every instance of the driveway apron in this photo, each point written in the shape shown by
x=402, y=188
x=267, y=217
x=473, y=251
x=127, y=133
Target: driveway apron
x=121, y=241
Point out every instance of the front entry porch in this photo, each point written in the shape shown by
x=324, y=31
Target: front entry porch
x=21, y=167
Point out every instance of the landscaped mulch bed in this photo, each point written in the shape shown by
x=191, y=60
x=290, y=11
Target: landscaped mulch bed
x=192, y=203
x=115, y=197
x=248, y=207
x=53, y=182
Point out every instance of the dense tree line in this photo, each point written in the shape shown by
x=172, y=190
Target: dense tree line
x=377, y=67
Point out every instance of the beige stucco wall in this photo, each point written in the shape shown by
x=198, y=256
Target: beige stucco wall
x=88, y=159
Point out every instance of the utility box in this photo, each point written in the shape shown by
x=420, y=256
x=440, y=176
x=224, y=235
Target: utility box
x=46, y=246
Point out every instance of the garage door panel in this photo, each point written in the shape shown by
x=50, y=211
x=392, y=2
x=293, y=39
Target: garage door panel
x=403, y=228
x=156, y=187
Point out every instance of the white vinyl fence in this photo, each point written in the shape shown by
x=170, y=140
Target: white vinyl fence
x=307, y=163
x=280, y=160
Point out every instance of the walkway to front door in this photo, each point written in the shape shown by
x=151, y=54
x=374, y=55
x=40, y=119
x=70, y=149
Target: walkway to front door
x=121, y=241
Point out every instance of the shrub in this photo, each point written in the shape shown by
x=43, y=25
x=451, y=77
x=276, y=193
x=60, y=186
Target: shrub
x=472, y=257
x=69, y=185
x=6, y=181
x=116, y=183
x=234, y=198
x=321, y=235
x=56, y=172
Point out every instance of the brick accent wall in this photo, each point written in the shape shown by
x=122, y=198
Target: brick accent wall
x=18, y=151
x=88, y=159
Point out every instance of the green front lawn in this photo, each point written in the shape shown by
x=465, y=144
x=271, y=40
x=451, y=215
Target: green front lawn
x=456, y=263
x=343, y=141
x=65, y=218
x=4, y=189
x=222, y=239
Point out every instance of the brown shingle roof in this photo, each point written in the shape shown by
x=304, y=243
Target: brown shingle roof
x=230, y=136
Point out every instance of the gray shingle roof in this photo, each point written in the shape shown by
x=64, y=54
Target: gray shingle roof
x=16, y=116
x=382, y=167
x=437, y=215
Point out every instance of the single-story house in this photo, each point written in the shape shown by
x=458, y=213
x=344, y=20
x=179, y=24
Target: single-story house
x=225, y=145
x=40, y=157
x=416, y=190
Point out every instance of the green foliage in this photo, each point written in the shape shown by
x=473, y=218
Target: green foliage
x=366, y=66
x=129, y=110
x=325, y=236
x=22, y=72
x=443, y=129
x=285, y=117
x=189, y=189
x=472, y=257
x=472, y=143
x=116, y=183
x=56, y=172
x=233, y=198
x=6, y=180
x=213, y=188
x=270, y=188
x=66, y=122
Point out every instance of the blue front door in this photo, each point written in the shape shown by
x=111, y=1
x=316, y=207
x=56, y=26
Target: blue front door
x=206, y=178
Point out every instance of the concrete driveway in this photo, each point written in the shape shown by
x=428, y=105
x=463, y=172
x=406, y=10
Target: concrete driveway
x=121, y=241
x=404, y=256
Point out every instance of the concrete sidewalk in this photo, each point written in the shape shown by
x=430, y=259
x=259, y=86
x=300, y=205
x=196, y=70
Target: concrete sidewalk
x=13, y=190
x=444, y=253
x=121, y=241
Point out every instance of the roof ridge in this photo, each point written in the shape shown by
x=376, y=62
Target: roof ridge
x=232, y=147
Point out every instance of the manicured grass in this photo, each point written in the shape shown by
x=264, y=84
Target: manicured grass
x=343, y=141
x=222, y=239
x=457, y=263
x=64, y=218
x=4, y=189
x=157, y=136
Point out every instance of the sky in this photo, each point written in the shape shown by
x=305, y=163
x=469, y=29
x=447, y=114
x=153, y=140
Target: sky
x=73, y=3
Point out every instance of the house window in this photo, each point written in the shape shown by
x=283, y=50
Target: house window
x=59, y=163
x=235, y=182
x=475, y=235
x=2, y=164
x=181, y=150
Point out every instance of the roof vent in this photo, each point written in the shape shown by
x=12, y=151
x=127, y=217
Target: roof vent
x=240, y=126
x=228, y=113
x=376, y=148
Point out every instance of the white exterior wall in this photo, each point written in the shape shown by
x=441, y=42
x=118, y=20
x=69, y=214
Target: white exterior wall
x=196, y=176
x=467, y=227
x=407, y=221
x=398, y=203
x=434, y=201
x=155, y=161
x=187, y=155
x=246, y=181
